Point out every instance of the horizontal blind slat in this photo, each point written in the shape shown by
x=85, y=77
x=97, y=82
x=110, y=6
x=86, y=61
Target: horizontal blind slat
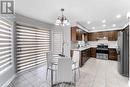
x=5, y=44
x=32, y=44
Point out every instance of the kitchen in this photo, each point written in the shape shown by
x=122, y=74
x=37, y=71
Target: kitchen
x=64, y=43
x=97, y=38
x=101, y=45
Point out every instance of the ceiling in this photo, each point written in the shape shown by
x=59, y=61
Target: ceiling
x=80, y=11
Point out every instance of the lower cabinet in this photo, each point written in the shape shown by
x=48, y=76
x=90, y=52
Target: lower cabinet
x=85, y=55
x=112, y=55
x=93, y=52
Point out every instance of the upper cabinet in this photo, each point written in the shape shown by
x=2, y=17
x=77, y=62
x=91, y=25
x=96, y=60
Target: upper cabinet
x=102, y=35
x=86, y=36
x=73, y=34
x=92, y=36
x=78, y=34
x=111, y=36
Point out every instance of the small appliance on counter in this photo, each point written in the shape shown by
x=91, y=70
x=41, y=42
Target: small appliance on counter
x=102, y=52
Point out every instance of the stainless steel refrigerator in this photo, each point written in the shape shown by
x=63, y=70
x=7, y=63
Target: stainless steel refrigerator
x=123, y=52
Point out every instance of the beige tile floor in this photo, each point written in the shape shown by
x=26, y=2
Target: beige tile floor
x=95, y=73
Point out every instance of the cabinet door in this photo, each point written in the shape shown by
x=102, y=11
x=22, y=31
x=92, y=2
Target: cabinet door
x=89, y=53
x=79, y=35
x=85, y=36
x=83, y=54
x=112, y=36
x=93, y=52
x=92, y=37
x=112, y=54
x=89, y=37
x=102, y=34
x=73, y=34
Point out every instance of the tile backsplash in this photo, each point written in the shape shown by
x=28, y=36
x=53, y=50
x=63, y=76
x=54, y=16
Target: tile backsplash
x=111, y=44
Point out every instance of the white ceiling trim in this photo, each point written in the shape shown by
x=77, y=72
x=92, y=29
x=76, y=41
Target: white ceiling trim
x=111, y=29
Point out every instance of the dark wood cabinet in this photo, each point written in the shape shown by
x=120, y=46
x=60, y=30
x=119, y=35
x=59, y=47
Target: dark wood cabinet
x=79, y=35
x=93, y=52
x=112, y=36
x=92, y=36
x=86, y=36
x=73, y=34
x=88, y=53
x=112, y=55
x=76, y=34
x=102, y=35
x=84, y=56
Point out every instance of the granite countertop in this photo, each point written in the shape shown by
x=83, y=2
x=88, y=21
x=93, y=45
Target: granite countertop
x=90, y=46
x=83, y=48
x=114, y=47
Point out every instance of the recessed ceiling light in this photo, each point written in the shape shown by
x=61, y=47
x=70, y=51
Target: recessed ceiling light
x=103, y=21
x=93, y=28
x=118, y=16
x=88, y=22
x=114, y=25
x=104, y=25
x=128, y=14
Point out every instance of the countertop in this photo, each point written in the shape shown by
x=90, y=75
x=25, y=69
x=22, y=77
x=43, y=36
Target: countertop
x=90, y=46
x=84, y=48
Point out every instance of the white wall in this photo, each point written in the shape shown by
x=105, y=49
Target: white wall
x=67, y=40
x=66, y=36
x=56, y=39
x=21, y=19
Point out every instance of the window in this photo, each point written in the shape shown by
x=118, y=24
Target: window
x=57, y=41
x=32, y=45
x=5, y=44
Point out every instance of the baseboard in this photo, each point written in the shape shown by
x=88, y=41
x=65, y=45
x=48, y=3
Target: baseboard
x=9, y=81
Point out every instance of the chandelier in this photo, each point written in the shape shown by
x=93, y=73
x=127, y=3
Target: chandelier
x=62, y=20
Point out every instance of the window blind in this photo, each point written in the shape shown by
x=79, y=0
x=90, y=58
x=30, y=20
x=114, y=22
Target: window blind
x=5, y=44
x=57, y=38
x=32, y=45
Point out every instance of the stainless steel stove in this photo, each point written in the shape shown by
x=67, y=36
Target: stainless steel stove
x=102, y=51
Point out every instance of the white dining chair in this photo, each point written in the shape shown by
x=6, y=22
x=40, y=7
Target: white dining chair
x=65, y=75
x=51, y=62
x=75, y=59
